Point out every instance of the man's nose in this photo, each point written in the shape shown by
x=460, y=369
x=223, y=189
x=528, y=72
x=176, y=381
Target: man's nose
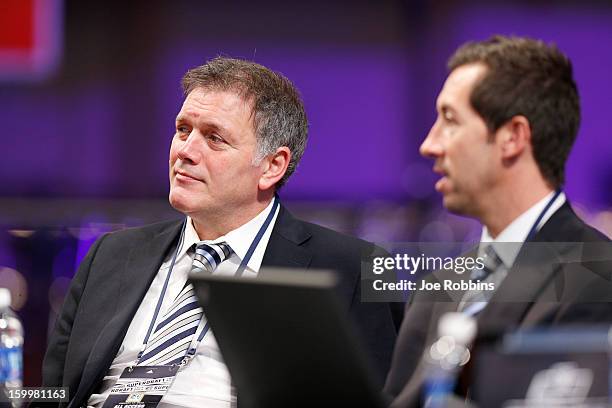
x=431, y=147
x=189, y=150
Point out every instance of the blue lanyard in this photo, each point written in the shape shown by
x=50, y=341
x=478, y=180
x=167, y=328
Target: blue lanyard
x=534, y=227
x=477, y=307
x=191, y=352
x=163, y=292
x=260, y=234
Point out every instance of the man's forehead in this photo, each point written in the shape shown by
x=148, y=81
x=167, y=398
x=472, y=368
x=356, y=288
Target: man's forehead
x=460, y=82
x=204, y=98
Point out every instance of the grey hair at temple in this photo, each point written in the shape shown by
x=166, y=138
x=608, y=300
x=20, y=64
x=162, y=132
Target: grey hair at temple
x=279, y=117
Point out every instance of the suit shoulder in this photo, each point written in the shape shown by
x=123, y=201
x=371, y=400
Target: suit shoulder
x=566, y=225
x=592, y=234
x=138, y=234
x=336, y=241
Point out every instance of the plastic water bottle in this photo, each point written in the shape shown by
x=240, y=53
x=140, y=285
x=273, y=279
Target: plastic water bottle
x=11, y=343
x=446, y=356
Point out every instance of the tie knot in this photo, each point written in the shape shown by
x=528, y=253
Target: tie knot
x=491, y=258
x=209, y=256
x=491, y=261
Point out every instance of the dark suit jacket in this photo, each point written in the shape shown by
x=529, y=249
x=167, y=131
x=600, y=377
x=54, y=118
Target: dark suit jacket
x=548, y=285
x=115, y=275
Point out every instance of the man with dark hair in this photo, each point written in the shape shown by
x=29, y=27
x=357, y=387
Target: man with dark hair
x=508, y=115
x=239, y=135
x=528, y=78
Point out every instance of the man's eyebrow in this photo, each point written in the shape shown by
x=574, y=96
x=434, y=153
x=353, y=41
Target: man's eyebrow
x=209, y=125
x=444, y=107
x=181, y=118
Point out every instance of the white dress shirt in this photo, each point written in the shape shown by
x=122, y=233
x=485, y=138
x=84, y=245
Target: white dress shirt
x=205, y=381
x=517, y=230
x=507, y=246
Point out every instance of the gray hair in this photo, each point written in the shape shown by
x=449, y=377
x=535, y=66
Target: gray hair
x=279, y=116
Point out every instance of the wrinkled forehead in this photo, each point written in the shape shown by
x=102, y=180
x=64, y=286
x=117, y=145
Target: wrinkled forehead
x=222, y=98
x=235, y=90
x=223, y=111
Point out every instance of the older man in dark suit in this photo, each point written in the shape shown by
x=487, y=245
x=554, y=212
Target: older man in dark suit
x=508, y=115
x=240, y=134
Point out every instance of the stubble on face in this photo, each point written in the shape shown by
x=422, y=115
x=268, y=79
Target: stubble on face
x=460, y=144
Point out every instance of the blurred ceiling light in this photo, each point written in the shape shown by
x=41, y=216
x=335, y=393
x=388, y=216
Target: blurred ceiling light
x=21, y=233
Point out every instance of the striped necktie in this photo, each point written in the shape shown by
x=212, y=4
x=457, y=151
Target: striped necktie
x=475, y=300
x=176, y=328
x=491, y=261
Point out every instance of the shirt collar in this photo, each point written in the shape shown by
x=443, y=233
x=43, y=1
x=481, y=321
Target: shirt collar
x=238, y=239
x=516, y=232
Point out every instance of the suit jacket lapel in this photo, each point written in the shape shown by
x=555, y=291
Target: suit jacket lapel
x=285, y=248
x=533, y=269
x=535, y=266
x=143, y=265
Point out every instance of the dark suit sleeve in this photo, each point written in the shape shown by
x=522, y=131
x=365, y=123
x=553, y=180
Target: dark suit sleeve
x=592, y=305
x=55, y=357
x=409, y=345
x=378, y=321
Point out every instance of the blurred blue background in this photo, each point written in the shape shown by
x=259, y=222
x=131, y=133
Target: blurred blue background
x=86, y=123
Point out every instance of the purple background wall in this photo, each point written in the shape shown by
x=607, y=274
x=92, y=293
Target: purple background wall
x=85, y=149
x=100, y=126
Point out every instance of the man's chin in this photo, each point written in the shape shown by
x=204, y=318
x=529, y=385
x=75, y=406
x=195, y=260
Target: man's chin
x=452, y=204
x=180, y=203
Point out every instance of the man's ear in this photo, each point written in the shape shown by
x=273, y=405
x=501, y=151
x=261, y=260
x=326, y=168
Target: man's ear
x=514, y=137
x=274, y=167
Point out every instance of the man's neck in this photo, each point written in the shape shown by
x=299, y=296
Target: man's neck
x=506, y=206
x=212, y=226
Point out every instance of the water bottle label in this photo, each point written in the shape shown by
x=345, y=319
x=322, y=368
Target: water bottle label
x=11, y=364
x=438, y=386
